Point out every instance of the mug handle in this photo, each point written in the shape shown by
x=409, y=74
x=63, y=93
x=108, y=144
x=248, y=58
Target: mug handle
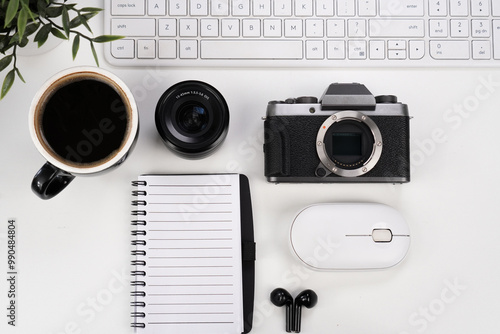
x=50, y=181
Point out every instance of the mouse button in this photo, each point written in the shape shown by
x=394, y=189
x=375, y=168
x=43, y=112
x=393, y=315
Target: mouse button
x=382, y=235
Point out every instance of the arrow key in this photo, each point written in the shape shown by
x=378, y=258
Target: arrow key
x=377, y=49
x=416, y=49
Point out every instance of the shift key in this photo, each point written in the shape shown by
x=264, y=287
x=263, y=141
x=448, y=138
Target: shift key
x=133, y=27
x=396, y=28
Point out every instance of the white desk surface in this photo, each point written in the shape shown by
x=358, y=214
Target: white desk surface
x=73, y=251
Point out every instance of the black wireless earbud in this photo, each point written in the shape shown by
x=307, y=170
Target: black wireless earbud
x=280, y=297
x=306, y=298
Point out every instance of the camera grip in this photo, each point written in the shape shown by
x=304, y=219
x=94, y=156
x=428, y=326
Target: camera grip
x=50, y=181
x=276, y=148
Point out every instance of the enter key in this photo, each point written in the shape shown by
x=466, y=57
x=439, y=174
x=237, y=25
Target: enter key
x=496, y=39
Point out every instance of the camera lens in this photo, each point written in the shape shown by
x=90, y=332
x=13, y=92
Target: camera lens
x=349, y=143
x=192, y=118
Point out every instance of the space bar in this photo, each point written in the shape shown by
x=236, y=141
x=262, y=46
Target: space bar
x=251, y=49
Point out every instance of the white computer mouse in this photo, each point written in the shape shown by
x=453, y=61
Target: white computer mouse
x=349, y=236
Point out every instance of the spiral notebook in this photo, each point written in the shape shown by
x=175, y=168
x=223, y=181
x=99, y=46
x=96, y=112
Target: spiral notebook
x=194, y=253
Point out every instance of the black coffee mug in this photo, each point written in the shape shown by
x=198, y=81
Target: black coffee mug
x=84, y=121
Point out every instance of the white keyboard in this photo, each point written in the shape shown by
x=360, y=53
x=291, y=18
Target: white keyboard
x=304, y=33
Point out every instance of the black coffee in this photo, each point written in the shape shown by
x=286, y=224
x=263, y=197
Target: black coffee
x=85, y=122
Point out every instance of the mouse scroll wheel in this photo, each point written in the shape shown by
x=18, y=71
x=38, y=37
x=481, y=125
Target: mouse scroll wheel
x=382, y=235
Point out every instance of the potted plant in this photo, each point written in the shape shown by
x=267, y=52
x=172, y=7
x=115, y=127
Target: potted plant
x=38, y=20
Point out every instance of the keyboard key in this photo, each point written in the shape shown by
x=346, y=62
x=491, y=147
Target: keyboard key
x=177, y=7
x=396, y=28
x=459, y=28
x=438, y=28
x=356, y=28
x=251, y=49
x=209, y=28
x=167, y=49
x=188, y=49
x=416, y=49
x=335, y=28
x=459, y=7
x=396, y=45
x=377, y=49
x=367, y=8
x=293, y=28
x=241, y=7
x=282, y=7
x=198, y=7
x=127, y=7
x=449, y=49
x=314, y=50
x=219, y=7
x=188, y=27
x=335, y=49
x=396, y=54
x=251, y=28
x=402, y=8
x=261, y=7
x=495, y=8
x=146, y=48
x=314, y=28
x=356, y=49
x=481, y=28
x=230, y=28
x=346, y=7
x=157, y=8
x=272, y=28
x=167, y=27
x=480, y=7
x=481, y=50
x=123, y=48
x=496, y=39
x=133, y=27
x=437, y=8
x=303, y=7
x=325, y=8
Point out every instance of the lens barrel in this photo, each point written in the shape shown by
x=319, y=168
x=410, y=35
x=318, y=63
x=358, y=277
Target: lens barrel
x=192, y=118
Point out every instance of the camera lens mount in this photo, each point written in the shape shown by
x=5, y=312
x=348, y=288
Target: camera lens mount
x=349, y=143
x=192, y=118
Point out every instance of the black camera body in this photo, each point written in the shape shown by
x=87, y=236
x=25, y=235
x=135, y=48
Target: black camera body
x=349, y=136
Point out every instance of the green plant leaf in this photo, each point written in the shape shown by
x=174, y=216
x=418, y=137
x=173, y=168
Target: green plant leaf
x=31, y=28
x=106, y=38
x=7, y=83
x=76, y=45
x=54, y=11
x=22, y=19
x=42, y=34
x=5, y=61
x=91, y=9
x=19, y=75
x=65, y=21
x=94, y=53
x=11, y=12
x=56, y=32
x=41, y=6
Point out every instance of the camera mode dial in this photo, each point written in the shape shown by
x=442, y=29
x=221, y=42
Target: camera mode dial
x=386, y=99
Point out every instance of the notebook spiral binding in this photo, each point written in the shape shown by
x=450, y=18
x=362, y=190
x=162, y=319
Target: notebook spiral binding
x=139, y=261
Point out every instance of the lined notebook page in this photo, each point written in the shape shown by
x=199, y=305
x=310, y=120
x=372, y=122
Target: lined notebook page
x=193, y=254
